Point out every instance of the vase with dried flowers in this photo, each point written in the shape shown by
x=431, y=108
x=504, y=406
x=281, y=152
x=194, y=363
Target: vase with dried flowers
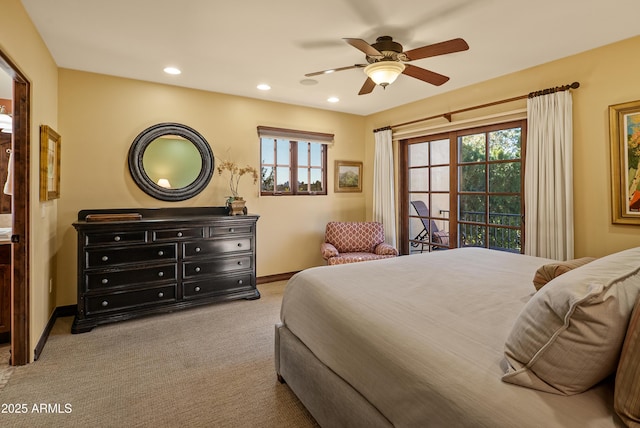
x=235, y=202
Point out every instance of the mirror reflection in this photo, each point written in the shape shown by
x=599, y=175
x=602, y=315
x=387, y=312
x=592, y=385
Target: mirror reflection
x=172, y=162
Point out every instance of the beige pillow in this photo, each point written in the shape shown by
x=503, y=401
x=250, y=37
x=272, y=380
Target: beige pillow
x=549, y=271
x=569, y=334
x=627, y=392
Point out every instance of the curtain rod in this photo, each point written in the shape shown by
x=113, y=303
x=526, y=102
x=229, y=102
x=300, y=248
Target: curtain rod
x=447, y=116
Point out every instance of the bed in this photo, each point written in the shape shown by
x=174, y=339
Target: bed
x=422, y=340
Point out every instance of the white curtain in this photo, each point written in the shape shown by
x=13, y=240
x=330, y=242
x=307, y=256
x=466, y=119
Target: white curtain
x=548, y=177
x=384, y=210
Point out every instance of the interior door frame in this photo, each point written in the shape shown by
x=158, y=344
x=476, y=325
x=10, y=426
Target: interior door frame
x=20, y=354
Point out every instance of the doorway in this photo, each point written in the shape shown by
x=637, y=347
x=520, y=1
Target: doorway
x=6, y=217
x=19, y=239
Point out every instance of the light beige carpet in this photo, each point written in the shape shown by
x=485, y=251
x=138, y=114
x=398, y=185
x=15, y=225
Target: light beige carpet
x=5, y=369
x=203, y=367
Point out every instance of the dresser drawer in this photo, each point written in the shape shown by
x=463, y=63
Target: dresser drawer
x=194, y=269
x=224, y=285
x=215, y=246
x=177, y=234
x=119, y=301
x=101, y=257
x=116, y=238
x=228, y=230
x=120, y=277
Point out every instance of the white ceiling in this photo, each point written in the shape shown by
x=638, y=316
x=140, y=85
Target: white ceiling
x=230, y=46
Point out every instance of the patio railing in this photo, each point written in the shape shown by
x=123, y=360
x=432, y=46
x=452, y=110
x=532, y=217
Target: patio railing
x=503, y=232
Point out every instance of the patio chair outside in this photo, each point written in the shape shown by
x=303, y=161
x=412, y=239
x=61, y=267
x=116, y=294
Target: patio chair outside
x=422, y=239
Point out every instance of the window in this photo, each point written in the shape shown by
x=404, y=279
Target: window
x=489, y=189
x=464, y=189
x=293, y=162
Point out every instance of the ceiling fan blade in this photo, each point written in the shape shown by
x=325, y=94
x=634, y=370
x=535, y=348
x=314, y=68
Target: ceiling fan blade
x=364, y=47
x=442, y=48
x=333, y=70
x=425, y=75
x=367, y=87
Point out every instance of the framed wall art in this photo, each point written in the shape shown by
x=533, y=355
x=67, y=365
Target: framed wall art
x=348, y=176
x=49, y=163
x=624, y=127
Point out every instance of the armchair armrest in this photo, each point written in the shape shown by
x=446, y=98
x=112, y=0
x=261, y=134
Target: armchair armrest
x=328, y=250
x=385, y=249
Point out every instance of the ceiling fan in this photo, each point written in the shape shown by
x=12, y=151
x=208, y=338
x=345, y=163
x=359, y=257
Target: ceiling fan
x=386, y=60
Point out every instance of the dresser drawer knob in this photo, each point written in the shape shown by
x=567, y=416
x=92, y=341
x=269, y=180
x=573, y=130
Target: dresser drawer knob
x=105, y=281
x=161, y=274
x=197, y=289
x=198, y=249
x=105, y=304
x=179, y=234
x=197, y=269
x=240, y=282
x=105, y=258
x=239, y=244
x=231, y=230
x=161, y=253
x=161, y=294
x=240, y=263
x=116, y=238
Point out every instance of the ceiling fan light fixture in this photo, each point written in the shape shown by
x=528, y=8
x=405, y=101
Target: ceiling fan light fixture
x=384, y=73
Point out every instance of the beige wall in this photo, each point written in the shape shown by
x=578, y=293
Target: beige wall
x=101, y=115
x=22, y=44
x=607, y=75
x=98, y=117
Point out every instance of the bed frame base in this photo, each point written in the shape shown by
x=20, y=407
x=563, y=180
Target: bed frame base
x=329, y=399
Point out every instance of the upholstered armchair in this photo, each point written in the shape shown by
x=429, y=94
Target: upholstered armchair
x=349, y=242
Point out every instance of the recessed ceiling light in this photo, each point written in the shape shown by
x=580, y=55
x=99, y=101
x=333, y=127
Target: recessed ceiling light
x=308, y=82
x=333, y=99
x=172, y=70
x=264, y=87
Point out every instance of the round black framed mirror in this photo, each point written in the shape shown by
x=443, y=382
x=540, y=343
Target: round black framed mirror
x=171, y=161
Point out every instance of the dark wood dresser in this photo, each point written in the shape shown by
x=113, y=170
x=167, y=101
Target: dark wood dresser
x=166, y=259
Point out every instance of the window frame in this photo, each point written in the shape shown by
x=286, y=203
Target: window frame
x=454, y=192
x=295, y=138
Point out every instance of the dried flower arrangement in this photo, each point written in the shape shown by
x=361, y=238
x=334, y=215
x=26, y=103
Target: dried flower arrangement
x=235, y=173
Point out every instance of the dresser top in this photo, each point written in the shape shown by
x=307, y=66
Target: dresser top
x=160, y=214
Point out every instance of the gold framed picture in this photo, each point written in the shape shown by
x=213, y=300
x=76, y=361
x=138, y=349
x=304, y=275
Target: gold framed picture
x=624, y=128
x=348, y=176
x=49, y=163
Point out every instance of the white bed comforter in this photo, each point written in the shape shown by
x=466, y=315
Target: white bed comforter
x=422, y=338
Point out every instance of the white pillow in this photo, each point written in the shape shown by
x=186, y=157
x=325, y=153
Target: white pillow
x=569, y=335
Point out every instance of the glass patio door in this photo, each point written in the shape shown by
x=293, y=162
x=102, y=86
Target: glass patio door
x=428, y=205
x=490, y=189
x=464, y=189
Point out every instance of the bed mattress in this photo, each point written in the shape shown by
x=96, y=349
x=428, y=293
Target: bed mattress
x=422, y=337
